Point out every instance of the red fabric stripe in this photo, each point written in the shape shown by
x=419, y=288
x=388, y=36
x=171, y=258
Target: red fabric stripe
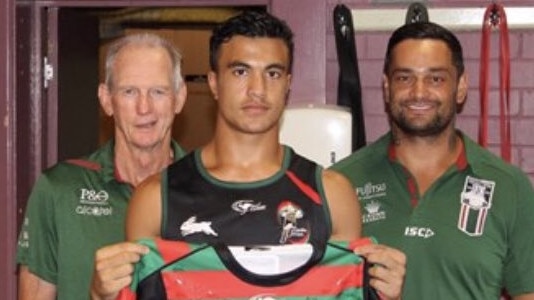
x=306, y=189
x=126, y=294
x=412, y=187
x=410, y=181
x=483, y=80
x=495, y=16
x=86, y=164
x=171, y=250
x=360, y=242
x=319, y=281
x=461, y=162
x=504, y=86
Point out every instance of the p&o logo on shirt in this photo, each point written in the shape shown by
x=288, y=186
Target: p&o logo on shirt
x=93, y=197
x=94, y=203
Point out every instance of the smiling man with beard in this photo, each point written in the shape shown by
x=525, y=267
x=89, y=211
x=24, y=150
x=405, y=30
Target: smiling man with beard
x=462, y=216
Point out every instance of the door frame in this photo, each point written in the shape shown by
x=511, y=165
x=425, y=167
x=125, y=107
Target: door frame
x=7, y=150
x=308, y=20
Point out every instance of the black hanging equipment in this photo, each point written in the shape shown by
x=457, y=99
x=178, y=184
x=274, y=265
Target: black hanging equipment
x=416, y=13
x=349, y=91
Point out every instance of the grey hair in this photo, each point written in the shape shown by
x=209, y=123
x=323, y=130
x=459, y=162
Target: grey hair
x=144, y=39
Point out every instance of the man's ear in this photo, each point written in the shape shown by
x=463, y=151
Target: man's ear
x=385, y=88
x=181, y=96
x=104, y=97
x=462, y=88
x=212, y=82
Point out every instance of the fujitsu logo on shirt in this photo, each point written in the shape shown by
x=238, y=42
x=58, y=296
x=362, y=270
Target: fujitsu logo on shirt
x=370, y=190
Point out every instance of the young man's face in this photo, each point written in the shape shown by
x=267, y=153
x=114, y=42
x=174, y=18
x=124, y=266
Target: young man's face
x=251, y=83
x=421, y=88
x=143, y=99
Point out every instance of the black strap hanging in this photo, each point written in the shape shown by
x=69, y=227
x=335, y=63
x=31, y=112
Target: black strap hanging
x=416, y=13
x=349, y=91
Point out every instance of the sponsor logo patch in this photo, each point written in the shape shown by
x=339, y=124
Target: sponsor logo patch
x=371, y=190
x=246, y=206
x=373, y=212
x=420, y=232
x=289, y=216
x=94, y=203
x=24, y=238
x=475, y=200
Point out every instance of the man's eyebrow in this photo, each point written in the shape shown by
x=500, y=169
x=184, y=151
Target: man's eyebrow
x=234, y=64
x=277, y=66
x=240, y=64
x=429, y=70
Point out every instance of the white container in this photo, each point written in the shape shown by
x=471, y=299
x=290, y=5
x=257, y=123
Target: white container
x=319, y=132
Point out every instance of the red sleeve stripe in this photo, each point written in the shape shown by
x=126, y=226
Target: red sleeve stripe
x=172, y=250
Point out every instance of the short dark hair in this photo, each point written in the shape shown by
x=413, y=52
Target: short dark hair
x=426, y=30
x=250, y=24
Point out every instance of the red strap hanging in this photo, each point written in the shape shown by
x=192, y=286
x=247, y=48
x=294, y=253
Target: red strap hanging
x=495, y=17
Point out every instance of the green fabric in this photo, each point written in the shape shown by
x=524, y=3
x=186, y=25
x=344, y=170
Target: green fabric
x=445, y=262
x=75, y=207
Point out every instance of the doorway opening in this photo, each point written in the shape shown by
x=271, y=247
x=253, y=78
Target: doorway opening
x=189, y=28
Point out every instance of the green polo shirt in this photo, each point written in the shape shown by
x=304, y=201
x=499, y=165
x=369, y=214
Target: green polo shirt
x=75, y=207
x=467, y=237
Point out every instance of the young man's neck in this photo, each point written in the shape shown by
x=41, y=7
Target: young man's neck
x=243, y=158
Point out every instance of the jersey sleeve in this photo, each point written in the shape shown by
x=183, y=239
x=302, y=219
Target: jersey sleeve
x=37, y=242
x=519, y=264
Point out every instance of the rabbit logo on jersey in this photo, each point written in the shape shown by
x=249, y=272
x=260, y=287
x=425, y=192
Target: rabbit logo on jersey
x=475, y=202
x=94, y=203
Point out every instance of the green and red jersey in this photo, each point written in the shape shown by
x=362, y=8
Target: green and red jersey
x=180, y=270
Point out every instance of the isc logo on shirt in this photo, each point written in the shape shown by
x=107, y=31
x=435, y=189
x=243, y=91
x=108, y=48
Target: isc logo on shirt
x=415, y=231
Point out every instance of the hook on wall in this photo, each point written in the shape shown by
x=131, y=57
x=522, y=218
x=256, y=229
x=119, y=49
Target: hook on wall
x=495, y=15
x=416, y=13
x=342, y=19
